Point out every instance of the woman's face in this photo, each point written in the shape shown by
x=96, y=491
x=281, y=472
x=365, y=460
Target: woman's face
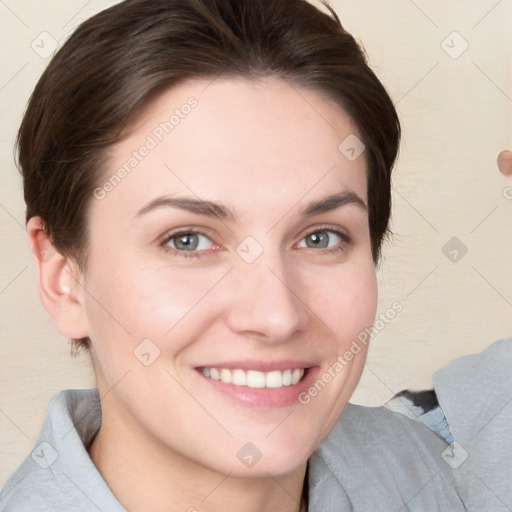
x=238, y=239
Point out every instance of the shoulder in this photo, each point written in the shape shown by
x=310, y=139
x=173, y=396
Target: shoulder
x=410, y=464
x=58, y=474
x=376, y=459
x=375, y=431
x=31, y=489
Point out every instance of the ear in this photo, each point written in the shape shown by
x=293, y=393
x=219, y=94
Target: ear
x=505, y=162
x=59, y=281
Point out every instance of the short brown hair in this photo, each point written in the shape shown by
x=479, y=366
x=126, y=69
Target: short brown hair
x=119, y=59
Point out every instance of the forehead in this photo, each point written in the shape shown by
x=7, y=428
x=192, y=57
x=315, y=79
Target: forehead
x=244, y=142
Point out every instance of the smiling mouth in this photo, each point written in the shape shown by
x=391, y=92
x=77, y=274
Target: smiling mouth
x=254, y=379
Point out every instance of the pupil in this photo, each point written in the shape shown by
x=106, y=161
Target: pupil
x=187, y=242
x=319, y=239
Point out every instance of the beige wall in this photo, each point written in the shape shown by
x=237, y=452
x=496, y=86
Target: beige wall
x=456, y=115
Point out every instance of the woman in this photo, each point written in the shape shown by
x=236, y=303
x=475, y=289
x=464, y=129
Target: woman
x=208, y=188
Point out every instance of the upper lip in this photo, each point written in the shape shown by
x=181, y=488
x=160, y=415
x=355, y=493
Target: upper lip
x=261, y=366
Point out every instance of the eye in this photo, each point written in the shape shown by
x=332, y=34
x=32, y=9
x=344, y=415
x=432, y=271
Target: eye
x=187, y=242
x=324, y=239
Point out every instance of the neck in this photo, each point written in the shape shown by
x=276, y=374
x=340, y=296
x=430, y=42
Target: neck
x=149, y=476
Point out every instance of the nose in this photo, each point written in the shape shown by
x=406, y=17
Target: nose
x=266, y=301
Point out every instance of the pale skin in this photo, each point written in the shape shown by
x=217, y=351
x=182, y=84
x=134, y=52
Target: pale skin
x=265, y=150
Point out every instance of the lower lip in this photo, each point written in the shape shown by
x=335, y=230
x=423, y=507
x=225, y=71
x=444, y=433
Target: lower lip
x=264, y=397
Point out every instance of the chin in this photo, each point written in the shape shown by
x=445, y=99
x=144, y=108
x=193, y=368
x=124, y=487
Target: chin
x=258, y=459
x=273, y=465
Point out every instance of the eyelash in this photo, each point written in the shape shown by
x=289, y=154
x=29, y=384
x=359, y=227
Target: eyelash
x=345, y=240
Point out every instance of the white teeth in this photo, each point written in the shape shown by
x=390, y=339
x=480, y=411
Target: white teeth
x=254, y=379
x=239, y=378
x=225, y=376
x=297, y=375
x=274, y=379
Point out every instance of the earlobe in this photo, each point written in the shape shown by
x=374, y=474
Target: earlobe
x=59, y=283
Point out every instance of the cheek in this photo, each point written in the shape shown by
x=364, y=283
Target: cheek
x=361, y=304
x=129, y=301
x=345, y=300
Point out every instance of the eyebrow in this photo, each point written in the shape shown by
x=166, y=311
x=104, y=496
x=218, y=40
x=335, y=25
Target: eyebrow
x=219, y=211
